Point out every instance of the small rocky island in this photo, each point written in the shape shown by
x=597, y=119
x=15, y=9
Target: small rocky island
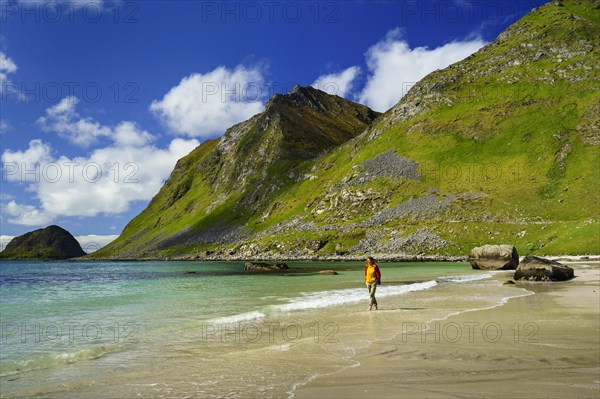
x=50, y=243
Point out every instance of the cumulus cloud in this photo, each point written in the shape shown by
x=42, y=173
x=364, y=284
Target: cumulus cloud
x=394, y=67
x=338, y=84
x=64, y=120
x=205, y=105
x=23, y=166
x=4, y=240
x=27, y=215
x=106, y=181
x=7, y=67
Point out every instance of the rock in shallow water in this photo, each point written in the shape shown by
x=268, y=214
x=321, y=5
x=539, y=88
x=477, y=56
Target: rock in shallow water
x=328, y=272
x=264, y=267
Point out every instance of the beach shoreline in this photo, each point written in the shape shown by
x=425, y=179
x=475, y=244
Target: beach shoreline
x=541, y=344
x=329, y=258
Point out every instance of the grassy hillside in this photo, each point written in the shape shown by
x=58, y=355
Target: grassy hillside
x=221, y=185
x=502, y=147
x=50, y=243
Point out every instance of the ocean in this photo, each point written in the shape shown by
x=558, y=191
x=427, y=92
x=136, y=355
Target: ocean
x=210, y=329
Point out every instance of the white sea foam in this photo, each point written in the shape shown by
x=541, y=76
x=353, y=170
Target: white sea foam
x=254, y=315
x=323, y=299
x=465, y=278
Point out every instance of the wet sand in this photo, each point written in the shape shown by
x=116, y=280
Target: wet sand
x=542, y=345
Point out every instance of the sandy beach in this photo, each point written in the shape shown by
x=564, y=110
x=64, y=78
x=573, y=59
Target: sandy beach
x=544, y=344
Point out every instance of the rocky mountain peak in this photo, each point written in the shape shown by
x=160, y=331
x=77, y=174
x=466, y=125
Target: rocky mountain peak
x=301, y=96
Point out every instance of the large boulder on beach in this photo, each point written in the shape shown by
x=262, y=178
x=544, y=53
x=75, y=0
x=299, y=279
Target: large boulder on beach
x=535, y=268
x=494, y=257
x=264, y=267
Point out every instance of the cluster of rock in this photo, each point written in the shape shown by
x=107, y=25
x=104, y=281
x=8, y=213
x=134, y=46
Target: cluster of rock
x=267, y=267
x=264, y=267
x=350, y=202
x=531, y=268
x=387, y=164
x=420, y=240
x=416, y=208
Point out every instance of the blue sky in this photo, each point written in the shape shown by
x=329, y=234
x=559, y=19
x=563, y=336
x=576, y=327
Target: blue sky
x=99, y=98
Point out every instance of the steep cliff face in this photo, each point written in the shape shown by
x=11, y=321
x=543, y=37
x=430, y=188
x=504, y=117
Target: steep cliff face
x=502, y=147
x=50, y=243
x=293, y=128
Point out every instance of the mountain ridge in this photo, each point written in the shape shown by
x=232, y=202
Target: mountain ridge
x=500, y=147
x=234, y=174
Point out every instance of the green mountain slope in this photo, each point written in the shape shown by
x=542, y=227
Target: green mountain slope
x=215, y=190
x=502, y=147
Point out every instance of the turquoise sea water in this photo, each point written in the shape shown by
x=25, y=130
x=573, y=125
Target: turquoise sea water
x=207, y=329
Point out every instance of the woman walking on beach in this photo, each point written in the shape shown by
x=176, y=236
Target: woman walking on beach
x=372, y=279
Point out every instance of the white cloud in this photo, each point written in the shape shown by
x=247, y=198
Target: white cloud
x=4, y=126
x=93, y=242
x=129, y=134
x=394, y=67
x=4, y=196
x=7, y=66
x=23, y=166
x=338, y=84
x=64, y=120
x=4, y=240
x=205, y=105
x=27, y=215
x=106, y=181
